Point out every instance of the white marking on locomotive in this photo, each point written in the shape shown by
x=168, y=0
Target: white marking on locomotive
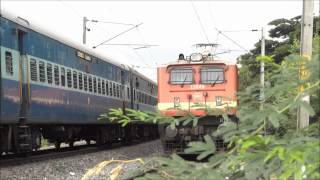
x=197, y=86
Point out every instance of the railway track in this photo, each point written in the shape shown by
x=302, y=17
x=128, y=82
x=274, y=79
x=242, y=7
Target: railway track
x=42, y=155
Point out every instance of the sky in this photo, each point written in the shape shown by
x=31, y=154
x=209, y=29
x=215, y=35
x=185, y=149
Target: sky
x=174, y=27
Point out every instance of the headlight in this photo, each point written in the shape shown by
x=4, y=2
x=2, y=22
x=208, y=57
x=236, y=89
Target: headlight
x=176, y=101
x=218, y=101
x=196, y=57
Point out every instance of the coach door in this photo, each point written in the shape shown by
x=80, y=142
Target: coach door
x=23, y=75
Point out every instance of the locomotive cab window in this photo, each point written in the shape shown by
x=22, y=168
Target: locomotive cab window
x=212, y=75
x=181, y=76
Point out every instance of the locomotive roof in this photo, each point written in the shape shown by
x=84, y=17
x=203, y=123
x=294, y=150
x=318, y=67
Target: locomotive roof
x=184, y=62
x=56, y=37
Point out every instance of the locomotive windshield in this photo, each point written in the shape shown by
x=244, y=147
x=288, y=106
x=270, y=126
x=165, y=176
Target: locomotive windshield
x=212, y=75
x=181, y=76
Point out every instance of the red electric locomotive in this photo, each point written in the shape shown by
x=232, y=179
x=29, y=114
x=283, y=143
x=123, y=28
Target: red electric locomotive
x=197, y=84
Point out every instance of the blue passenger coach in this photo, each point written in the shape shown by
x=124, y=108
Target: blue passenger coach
x=56, y=89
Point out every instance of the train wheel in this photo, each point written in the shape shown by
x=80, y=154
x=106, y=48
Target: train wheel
x=36, y=140
x=88, y=141
x=57, y=145
x=71, y=143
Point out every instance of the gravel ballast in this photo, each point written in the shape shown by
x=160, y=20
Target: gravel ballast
x=76, y=166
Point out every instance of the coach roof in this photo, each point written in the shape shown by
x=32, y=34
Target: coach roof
x=65, y=41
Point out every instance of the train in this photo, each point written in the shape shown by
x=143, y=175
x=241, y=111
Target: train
x=55, y=89
x=202, y=86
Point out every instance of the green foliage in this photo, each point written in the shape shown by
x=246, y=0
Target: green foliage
x=127, y=116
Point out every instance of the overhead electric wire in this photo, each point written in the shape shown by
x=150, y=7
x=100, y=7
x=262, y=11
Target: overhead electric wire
x=214, y=24
x=199, y=19
x=138, y=55
x=70, y=7
x=131, y=44
x=109, y=22
x=143, y=41
x=242, y=30
x=104, y=30
x=236, y=43
x=117, y=35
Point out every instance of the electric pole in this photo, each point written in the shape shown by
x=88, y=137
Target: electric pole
x=262, y=69
x=85, y=20
x=305, y=53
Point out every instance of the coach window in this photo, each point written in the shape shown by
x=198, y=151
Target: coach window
x=181, y=76
x=33, y=69
x=114, y=89
x=94, y=85
x=128, y=92
x=134, y=94
x=212, y=75
x=110, y=87
x=69, y=81
x=9, y=64
x=138, y=96
x=90, y=83
x=121, y=88
x=85, y=82
x=63, y=76
x=56, y=75
x=99, y=86
x=75, y=80
x=147, y=99
x=107, y=88
x=42, y=72
x=117, y=91
x=49, y=73
x=143, y=98
x=80, y=81
x=103, y=87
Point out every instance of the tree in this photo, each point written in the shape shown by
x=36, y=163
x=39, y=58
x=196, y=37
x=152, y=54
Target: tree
x=285, y=40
